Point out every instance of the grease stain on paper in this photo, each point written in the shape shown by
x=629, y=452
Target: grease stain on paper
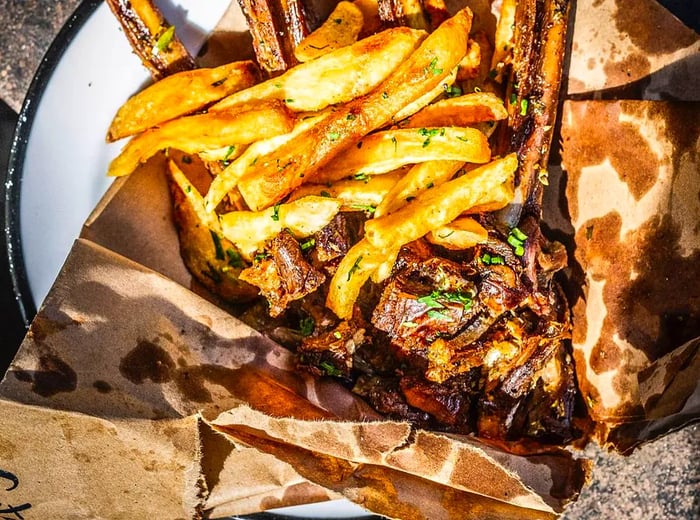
x=52, y=377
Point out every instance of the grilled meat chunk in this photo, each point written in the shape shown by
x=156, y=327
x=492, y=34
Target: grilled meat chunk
x=285, y=275
x=331, y=353
x=333, y=241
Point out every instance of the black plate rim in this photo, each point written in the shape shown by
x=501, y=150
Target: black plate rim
x=18, y=148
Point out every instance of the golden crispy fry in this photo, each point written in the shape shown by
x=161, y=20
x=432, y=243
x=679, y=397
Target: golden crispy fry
x=434, y=208
x=465, y=110
x=387, y=151
x=461, y=233
x=385, y=268
x=470, y=65
x=422, y=101
x=420, y=177
x=249, y=230
x=364, y=193
x=151, y=37
x=202, y=132
x=503, y=46
x=336, y=77
x=353, y=271
x=229, y=177
x=340, y=30
x=180, y=94
x=212, y=260
x=225, y=154
x=426, y=68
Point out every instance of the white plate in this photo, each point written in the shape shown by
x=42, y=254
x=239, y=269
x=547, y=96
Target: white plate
x=59, y=156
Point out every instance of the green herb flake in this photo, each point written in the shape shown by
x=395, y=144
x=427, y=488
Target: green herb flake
x=519, y=250
x=385, y=95
x=451, y=90
x=354, y=267
x=325, y=194
x=363, y=207
x=518, y=234
x=333, y=136
x=432, y=185
x=350, y=117
x=276, y=213
x=289, y=100
x=329, y=369
x=396, y=144
x=188, y=189
x=360, y=176
x=446, y=235
x=234, y=258
x=165, y=39
x=187, y=159
x=513, y=98
x=307, y=326
x=308, y=244
x=430, y=300
x=318, y=48
x=433, y=68
x=523, y=107
x=429, y=133
x=409, y=324
x=217, y=246
x=438, y=315
x=260, y=257
x=337, y=335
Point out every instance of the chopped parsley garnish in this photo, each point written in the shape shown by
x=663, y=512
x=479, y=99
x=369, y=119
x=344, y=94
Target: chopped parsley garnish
x=276, y=213
x=385, y=95
x=234, y=258
x=523, y=107
x=333, y=136
x=409, y=324
x=318, y=48
x=306, y=326
x=260, y=257
x=360, y=176
x=337, y=335
x=165, y=39
x=433, y=68
x=325, y=194
x=354, y=267
x=452, y=90
x=439, y=315
x=330, y=369
x=447, y=234
x=225, y=161
x=516, y=238
x=434, y=299
x=350, y=117
x=396, y=144
x=513, y=98
x=363, y=207
x=217, y=246
x=289, y=100
x=430, y=133
x=308, y=244
x=488, y=259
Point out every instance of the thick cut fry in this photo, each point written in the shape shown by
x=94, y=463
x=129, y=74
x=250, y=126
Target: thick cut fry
x=202, y=132
x=337, y=77
x=229, y=177
x=387, y=151
x=353, y=271
x=420, y=177
x=466, y=110
x=461, y=233
x=426, y=68
x=340, y=30
x=180, y=94
x=151, y=36
x=363, y=193
x=212, y=260
x=249, y=230
x=385, y=268
x=226, y=154
x=441, y=205
x=503, y=47
x=422, y=101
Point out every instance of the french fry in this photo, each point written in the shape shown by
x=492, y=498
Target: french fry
x=470, y=65
x=180, y=94
x=426, y=68
x=385, y=268
x=337, y=77
x=249, y=230
x=151, y=37
x=194, y=198
x=361, y=193
x=229, y=177
x=353, y=271
x=386, y=151
x=462, y=233
x=422, y=101
x=503, y=46
x=201, y=132
x=434, y=208
x=340, y=30
x=420, y=177
x=465, y=110
x=225, y=154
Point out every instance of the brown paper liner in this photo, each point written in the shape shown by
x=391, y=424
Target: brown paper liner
x=632, y=192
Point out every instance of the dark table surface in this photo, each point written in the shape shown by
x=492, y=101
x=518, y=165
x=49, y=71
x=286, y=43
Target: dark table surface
x=659, y=481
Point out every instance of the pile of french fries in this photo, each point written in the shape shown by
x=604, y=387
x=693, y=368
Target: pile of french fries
x=376, y=124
